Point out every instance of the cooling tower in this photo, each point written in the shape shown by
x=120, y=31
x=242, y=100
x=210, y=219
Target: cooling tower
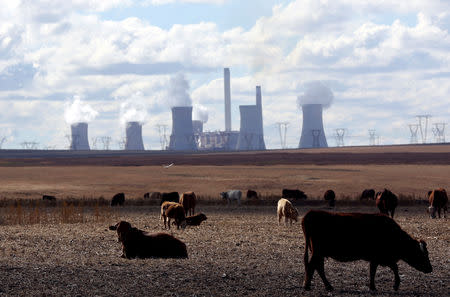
x=79, y=141
x=227, y=90
x=134, y=137
x=182, y=137
x=250, y=135
x=313, y=134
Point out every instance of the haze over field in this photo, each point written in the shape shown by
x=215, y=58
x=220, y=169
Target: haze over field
x=383, y=61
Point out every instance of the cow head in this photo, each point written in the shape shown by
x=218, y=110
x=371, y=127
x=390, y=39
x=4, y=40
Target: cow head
x=224, y=195
x=432, y=212
x=122, y=228
x=417, y=257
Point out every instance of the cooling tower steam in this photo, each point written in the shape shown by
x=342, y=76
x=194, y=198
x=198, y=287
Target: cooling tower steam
x=179, y=91
x=201, y=113
x=316, y=92
x=133, y=109
x=77, y=111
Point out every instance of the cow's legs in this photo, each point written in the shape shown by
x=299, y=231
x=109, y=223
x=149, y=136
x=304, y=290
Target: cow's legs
x=321, y=271
x=164, y=222
x=286, y=221
x=439, y=212
x=309, y=270
x=279, y=218
x=373, y=270
x=392, y=213
x=168, y=222
x=394, y=268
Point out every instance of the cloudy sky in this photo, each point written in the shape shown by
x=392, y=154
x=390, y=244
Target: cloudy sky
x=385, y=62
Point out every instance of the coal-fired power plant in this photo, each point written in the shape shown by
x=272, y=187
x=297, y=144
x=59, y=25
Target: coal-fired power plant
x=134, y=137
x=79, y=138
x=313, y=135
x=182, y=137
x=251, y=135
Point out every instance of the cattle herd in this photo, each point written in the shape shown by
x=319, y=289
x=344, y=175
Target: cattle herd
x=344, y=237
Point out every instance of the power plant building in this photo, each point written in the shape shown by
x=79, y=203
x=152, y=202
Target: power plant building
x=79, y=137
x=182, y=137
x=134, y=137
x=313, y=134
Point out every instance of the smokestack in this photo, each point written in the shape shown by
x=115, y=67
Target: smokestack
x=260, y=116
x=227, y=90
x=313, y=135
x=79, y=140
x=134, y=137
x=182, y=137
x=250, y=135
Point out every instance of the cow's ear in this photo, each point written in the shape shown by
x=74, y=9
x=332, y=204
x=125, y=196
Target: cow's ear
x=423, y=246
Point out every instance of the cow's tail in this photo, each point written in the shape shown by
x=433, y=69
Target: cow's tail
x=307, y=243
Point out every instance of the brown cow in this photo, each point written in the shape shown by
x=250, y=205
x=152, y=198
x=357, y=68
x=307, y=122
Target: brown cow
x=172, y=210
x=188, y=200
x=387, y=202
x=345, y=237
x=137, y=244
x=330, y=196
x=438, y=200
x=196, y=220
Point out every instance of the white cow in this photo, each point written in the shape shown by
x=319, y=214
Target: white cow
x=232, y=195
x=287, y=210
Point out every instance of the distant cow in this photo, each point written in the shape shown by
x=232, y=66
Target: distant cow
x=172, y=210
x=118, y=199
x=356, y=236
x=172, y=196
x=252, y=194
x=232, y=195
x=287, y=210
x=188, y=200
x=147, y=195
x=196, y=220
x=387, y=202
x=330, y=196
x=48, y=198
x=367, y=194
x=438, y=200
x=137, y=244
x=154, y=195
x=293, y=194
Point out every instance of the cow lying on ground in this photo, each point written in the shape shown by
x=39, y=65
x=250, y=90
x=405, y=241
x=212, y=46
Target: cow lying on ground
x=330, y=196
x=188, y=200
x=172, y=210
x=367, y=194
x=232, y=195
x=118, y=199
x=196, y=220
x=137, y=244
x=387, y=202
x=438, y=201
x=172, y=196
x=355, y=236
x=293, y=194
x=287, y=210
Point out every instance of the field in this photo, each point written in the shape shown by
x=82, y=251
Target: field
x=66, y=249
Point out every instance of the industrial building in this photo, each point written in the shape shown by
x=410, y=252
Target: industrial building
x=182, y=137
x=313, y=134
x=79, y=137
x=133, y=140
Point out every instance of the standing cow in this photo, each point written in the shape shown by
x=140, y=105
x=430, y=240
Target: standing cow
x=387, y=202
x=367, y=194
x=330, y=196
x=118, y=199
x=188, y=200
x=438, y=201
x=232, y=195
x=172, y=196
x=252, y=194
x=293, y=194
x=345, y=237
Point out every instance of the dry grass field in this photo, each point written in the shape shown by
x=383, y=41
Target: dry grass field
x=66, y=249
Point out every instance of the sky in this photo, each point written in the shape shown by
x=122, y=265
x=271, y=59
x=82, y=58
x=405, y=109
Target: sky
x=109, y=61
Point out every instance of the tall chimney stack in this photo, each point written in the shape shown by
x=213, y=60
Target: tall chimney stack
x=79, y=141
x=134, y=137
x=227, y=90
x=182, y=137
x=313, y=135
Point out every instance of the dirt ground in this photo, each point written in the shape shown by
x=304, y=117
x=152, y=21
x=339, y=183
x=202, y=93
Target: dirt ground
x=238, y=251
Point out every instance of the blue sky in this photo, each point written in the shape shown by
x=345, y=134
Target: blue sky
x=385, y=60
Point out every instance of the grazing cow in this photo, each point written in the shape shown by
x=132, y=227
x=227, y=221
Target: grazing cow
x=345, y=237
x=252, y=194
x=137, y=244
x=286, y=209
x=188, y=200
x=387, y=202
x=330, y=196
x=118, y=199
x=172, y=196
x=438, y=200
x=232, y=195
x=172, y=210
x=48, y=198
x=196, y=220
x=147, y=195
x=367, y=194
x=293, y=194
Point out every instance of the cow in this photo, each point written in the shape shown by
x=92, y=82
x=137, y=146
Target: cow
x=252, y=194
x=232, y=195
x=147, y=195
x=48, y=198
x=172, y=196
x=286, y=209
x=367, y=194
x=118, y=199
x=345, y=237
x=154, y=195
x=138, y=244
x=387, y=202
x=173, y=211
x=196, y=220
x=330, y=196
x=293, y=194
x=188, y=200
x=438, y=201
x=164, y=207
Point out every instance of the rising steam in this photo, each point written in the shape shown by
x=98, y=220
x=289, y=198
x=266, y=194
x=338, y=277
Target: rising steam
x=201, y=113
x=178, y=91
x=316, y=92
x=133, y=109
x=77, y=111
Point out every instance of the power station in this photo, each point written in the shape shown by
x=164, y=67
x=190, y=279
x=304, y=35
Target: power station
x=182, y=137
x=313, y=135
x=79, y=137
x=133, y=140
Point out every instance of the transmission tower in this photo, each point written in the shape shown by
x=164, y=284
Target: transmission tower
x=340, y=133
x=106, y=141
x=413, y=128
x=122, y=143
x=282, y=128
x=94, y=142
x=29, y=145
x=423, y=121
x=372, y=137
x=315, y=134
x=2, y=141
x=439, y=132
x=162, y=129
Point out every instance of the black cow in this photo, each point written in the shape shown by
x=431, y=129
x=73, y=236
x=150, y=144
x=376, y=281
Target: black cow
x=330, y=196
x=387, y=202
x=252, y=194
x=118, y=199
x=48, y=198
x=172, y=196
x=293, y=194
x=367, y=194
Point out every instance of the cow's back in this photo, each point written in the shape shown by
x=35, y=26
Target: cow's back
x=438, y=198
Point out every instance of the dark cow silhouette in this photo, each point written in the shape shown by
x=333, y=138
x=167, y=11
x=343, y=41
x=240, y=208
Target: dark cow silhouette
x=356, y=236
x=172, y=196
x=330, y=196
x=293, y=194
x=137, y=244
x=438, y=201
x=48, y=198
x=367, y=194
x=147, y=195
x=196, y=220
x=252, y=194
x=188, y=200
x=118, y=199
x=387, y=202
